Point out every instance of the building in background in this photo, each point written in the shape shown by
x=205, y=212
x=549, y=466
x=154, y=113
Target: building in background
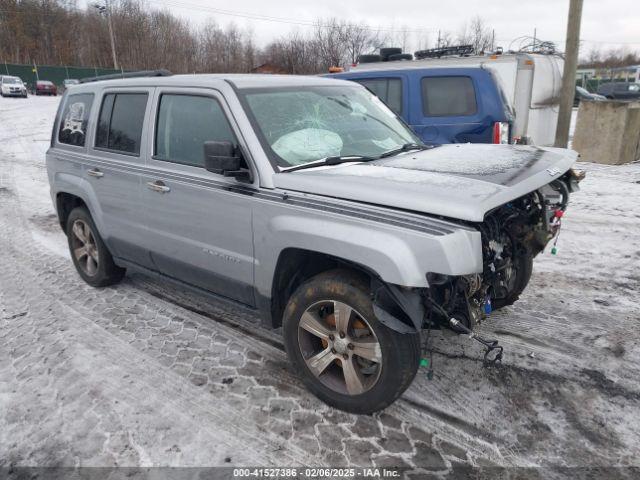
x=591, y=78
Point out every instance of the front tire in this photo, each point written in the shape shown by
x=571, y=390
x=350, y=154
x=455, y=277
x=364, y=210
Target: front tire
x=345, y=356
x=523, y=270
x=90, y=255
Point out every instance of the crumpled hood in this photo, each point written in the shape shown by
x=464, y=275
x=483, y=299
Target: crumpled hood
x=462, y=181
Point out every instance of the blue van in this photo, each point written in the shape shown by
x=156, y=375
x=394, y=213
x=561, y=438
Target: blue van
x=442, y=105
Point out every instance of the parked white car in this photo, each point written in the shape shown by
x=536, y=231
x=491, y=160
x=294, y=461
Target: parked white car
x=12, y=87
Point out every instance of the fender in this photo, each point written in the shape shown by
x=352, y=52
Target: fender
x=399, y=256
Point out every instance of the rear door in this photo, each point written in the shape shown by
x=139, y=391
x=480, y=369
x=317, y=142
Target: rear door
x=113, y=168
x=446, y=106
x=198, y=223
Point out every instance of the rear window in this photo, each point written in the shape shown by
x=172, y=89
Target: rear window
x=120, y=122
x=74, y=119
x=389, y=90
x=448, y=96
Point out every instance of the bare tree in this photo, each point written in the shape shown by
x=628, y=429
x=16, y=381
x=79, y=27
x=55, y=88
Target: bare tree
x=329, y=37
x=446, y=39
x=359, y=39
x=477, y=34
x=293, y=54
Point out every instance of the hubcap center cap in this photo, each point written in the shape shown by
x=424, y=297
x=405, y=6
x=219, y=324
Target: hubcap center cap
x=340, y=344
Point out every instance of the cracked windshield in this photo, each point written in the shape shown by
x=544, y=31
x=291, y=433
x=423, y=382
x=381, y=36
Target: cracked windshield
x=313, y=123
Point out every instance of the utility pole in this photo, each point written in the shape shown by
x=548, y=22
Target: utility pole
x=113, y=42
x=438, y=46
x=106, y=10
x=569, y=73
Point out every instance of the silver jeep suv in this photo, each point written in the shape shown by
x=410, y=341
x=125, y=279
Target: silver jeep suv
x=310, y=201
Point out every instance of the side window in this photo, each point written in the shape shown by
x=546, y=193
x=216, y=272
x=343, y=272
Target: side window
x=120, y=122
x=389, y=90
x=74, y=119
x=184, y=123
x=448, y=96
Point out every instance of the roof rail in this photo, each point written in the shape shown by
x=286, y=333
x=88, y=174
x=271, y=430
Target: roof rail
x=462, y=50
x=139, y=73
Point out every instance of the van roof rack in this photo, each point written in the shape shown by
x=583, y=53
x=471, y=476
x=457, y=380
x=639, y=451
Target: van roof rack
x=461, y=50
x=139, y=73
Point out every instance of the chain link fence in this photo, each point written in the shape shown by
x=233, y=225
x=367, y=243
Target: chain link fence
x=56, y=74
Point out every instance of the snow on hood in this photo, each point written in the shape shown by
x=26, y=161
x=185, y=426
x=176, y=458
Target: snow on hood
x=462, y=181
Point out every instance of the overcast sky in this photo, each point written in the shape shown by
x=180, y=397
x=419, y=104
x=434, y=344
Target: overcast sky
x=606, y=25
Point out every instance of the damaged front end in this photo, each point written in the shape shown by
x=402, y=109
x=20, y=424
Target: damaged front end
x=512, y=235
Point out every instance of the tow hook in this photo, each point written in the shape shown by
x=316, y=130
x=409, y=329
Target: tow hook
x=490, y=345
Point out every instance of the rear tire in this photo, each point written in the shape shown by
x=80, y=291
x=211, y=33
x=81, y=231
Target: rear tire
x=369, y=58
x=386, y=52
x=399, y=56
x=90, y=255
x=330, y=328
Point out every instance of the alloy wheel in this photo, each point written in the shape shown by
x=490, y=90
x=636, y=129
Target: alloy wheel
x=339, y=347
x=84, y=247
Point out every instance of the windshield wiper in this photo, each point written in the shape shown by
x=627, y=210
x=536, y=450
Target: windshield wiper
x=336, y=160
x=404, y=148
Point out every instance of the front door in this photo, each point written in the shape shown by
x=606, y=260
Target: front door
x=198, y=223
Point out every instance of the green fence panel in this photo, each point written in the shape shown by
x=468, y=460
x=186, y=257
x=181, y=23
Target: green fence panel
x=56, y=74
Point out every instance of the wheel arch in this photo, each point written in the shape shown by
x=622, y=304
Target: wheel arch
x=71, y=191
x=65, y=203
x=296, y=265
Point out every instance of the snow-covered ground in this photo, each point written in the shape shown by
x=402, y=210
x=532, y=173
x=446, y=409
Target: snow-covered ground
x=144, y=374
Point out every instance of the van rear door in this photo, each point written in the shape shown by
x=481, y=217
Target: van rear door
x=452, y=105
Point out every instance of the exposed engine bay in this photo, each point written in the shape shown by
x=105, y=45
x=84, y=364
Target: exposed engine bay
x=512, y=235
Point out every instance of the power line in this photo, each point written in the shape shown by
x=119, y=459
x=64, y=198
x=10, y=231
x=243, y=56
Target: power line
x=290, y=21
x=269, y=18
x=582, y=40
x=250, y=16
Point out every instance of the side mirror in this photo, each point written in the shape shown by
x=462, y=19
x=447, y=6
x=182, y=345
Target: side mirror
x=223, y=158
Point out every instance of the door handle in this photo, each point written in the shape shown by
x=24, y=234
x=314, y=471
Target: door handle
x=94, y=172
x=158, y=186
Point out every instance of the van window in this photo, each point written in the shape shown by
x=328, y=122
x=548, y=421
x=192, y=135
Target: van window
x=184, y=123
x=448, y=96
x=120, y=122
x=389, y=90
x=74, y=119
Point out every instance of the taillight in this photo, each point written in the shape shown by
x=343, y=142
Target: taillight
x=501, y=132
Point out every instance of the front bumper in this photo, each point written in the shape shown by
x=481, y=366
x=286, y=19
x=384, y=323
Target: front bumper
x=19, y=93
